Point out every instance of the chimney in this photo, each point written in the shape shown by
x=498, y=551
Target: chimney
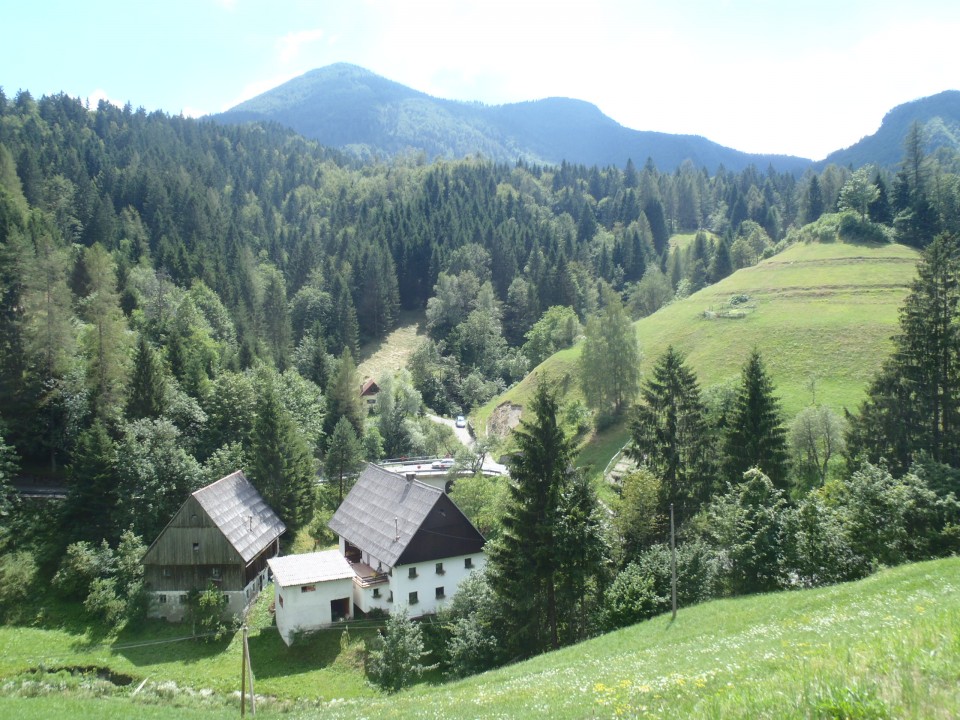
x=411, y=477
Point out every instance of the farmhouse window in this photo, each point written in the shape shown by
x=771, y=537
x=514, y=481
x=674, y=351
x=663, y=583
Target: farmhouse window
x=413, y=598
x=468, y=563
x=215, y=573
x=440, y=569
x=308, y=588
x=167, y=572
x=376, y=592
x=183, y=599
x=412, y=573
x=163, y=599
x=440, y=593
x=196, y=547
x=390, y=599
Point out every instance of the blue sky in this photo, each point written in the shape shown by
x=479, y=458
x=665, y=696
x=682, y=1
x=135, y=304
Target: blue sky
x=803, y=78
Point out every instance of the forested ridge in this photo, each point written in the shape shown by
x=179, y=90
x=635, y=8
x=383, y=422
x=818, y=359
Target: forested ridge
x=180, y=298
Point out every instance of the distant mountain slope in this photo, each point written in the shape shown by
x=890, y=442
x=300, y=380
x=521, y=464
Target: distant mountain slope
x=346, y=106
x=940, y=116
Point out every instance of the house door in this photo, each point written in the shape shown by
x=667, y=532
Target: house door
x=340, y=609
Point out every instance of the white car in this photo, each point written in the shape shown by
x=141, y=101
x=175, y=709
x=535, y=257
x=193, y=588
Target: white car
x=461, y=421
x=443, y=464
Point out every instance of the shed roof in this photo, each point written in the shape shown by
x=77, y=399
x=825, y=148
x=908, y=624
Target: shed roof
x=384, y=511
x=310, y=568
x=234, y=505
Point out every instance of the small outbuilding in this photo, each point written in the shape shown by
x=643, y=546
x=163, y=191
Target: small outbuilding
x=223, y=535
x=311, y=590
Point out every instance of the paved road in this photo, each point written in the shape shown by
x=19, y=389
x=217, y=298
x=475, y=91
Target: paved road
x=464, y=436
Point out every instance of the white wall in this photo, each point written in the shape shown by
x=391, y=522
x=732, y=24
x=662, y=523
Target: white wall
x=308, y=610
x=428, y=580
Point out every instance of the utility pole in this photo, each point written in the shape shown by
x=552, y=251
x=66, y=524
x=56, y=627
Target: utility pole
x=243, y=676
x=673, y=566
x=246, y=669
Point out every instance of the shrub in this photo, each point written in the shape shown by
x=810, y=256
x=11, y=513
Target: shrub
x=396, y=659
x=206, y=611
x=82, y=563
x=630, y=599
x=18, y=570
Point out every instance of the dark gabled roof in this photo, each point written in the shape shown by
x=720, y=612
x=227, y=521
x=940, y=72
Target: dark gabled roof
x=385, y=515
x=234, y=505
x=369, y=387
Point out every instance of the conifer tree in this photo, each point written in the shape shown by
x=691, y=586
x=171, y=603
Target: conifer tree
x=147, y=383
x=89, y=510
x=343, y=396
x=344, y=455
x=756, y=436
x=525, y=562
x=914, y=404
x=282, y=467
x=670, y=435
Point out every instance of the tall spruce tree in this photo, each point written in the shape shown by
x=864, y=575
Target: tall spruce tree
x=89, y=511
x=147, y=383
x=344, y=455
x=670, y=435
x=282, y=466
x=343, y=396
x=914, y=403
x=756, y=436
x=525, y=562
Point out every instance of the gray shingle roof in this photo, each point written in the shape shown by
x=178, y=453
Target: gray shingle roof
x=383, y=512
x=245, y=519
x=310, y=568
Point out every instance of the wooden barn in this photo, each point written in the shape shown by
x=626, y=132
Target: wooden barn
x=222, y=534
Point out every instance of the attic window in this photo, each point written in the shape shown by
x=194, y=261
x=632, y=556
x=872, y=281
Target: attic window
x=196, y=547
x=215, y=572
x=468, y=563
x=308, y=588
x=440, y=569
x=167, y=572
x=413, y=573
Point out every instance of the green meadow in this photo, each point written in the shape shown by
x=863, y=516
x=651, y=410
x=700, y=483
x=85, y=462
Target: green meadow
x=822, y=315
x=884, y=647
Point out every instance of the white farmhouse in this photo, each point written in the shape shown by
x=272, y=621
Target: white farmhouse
x=403, y=544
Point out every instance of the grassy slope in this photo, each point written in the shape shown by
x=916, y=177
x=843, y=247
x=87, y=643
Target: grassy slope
x=379, y=359
x=315, y=669
x=890, y=642
x=887, y=646
x=816, y=311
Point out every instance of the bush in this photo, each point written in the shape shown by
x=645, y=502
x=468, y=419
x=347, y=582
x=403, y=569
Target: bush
x=206, y=611
x=630, y=599
x=396, y=659
x=81, y=565
x=18, y=572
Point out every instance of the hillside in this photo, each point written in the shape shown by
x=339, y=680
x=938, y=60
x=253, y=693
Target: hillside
x=882, y=647
x=822, y=312
x=938, y=114
x=352, y=108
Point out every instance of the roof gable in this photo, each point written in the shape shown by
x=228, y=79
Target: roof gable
x=238, y=511
x=384, y=512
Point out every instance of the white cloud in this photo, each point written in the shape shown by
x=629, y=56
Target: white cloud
x=291, y=43
x=94, y=98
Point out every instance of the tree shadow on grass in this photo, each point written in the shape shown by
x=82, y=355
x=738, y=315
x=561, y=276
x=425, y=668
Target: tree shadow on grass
x=155, y=642
x=270, y=657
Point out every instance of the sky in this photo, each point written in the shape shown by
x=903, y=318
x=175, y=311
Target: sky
x=764, y=76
